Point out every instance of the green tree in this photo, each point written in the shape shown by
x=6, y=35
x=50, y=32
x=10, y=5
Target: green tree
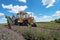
x=9, y=21
x=57, y=20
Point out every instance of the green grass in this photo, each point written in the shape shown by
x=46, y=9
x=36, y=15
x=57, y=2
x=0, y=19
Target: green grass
x=37, y=34
x=3, y=24
x=49, y=25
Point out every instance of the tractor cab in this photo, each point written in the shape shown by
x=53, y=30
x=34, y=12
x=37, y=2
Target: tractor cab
x=23, y=15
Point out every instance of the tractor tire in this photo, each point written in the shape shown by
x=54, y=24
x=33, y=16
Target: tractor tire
x=20, y=24
x=25, y=24
x=34, y=25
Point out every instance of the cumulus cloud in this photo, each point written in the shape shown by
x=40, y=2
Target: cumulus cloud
x=3, y=20
x=7, y=6
x=31, y=14
x=1, y=14
x=14, y=9
x=48, y=3
x=44, y=18
x=57, y=13
x=24, y=1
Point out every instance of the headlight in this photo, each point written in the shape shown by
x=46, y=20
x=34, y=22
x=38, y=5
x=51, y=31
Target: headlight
x=18, y=21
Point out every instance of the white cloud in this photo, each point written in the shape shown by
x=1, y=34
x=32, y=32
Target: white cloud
x=31, y=14
x=24, y=1
x=1, y=14
x=7, y=6
x=43, y=18
x=57, y=13
x=14, y=9
x=48, y=3
x=46, y=17
x=3, y=20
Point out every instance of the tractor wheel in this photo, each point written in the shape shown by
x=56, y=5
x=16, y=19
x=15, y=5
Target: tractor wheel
x=34, y=25
x=25, y=24
x=20, y=24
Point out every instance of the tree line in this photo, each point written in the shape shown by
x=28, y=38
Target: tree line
x=56, y=20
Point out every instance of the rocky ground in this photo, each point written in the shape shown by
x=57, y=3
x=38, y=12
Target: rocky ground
x=8, y=34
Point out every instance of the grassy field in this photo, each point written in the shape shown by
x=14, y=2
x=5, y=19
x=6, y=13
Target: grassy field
x=48, y=25
x=38, y=33
x=43, y=31
x=3, y=24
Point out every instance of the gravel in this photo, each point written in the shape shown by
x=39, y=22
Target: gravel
x=7, y=34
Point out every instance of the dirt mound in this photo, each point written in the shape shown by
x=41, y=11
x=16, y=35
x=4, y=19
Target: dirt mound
x=7, y=34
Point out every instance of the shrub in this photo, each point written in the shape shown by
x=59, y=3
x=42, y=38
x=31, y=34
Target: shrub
x=36, y=34
x=57, y=20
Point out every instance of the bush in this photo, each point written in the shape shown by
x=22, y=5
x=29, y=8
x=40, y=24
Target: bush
x=57, y=20
x=37, y=34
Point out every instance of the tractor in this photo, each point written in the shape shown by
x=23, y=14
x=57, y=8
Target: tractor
x=22, y=19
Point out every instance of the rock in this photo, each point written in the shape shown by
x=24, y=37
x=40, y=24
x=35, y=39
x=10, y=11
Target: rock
x=7, y=34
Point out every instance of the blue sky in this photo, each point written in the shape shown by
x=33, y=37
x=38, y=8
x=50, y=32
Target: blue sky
x=41, y=10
